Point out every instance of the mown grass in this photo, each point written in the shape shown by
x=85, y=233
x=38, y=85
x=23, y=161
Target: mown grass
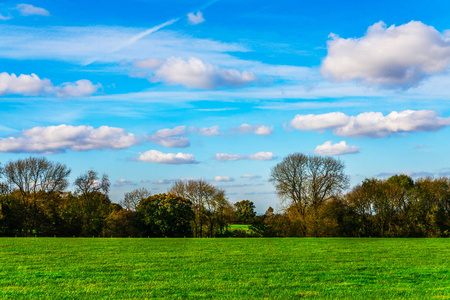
x=257, y=268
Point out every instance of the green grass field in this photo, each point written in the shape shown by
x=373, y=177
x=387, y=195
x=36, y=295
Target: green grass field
x=63, y=268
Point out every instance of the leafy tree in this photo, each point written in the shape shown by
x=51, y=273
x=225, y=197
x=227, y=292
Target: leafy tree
x=245, y=210
x=36, y=180
x=120, y=223
x=93, y=202
x=165, y=215
x=206, y=199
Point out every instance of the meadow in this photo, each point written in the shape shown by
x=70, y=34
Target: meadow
x=251, y=268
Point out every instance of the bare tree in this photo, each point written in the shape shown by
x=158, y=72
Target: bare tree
x=90, y=182
x=308, y=181
x=35, y=174
x=132, y=199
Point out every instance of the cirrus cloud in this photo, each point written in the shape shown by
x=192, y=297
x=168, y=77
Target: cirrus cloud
x=58, y=139
x=341, y=148
x=256, y=129
x=124, y=182
x=248, y=176
x=206, y=131
x=233, y=157
x=5, y=18
x=155, y=156
x=194, y=73
x=393, y=57
x=30, y=10
x=372, y=124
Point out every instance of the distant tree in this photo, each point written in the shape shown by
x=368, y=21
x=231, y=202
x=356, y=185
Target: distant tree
x=269, y=212
x=38, y=183
x=94, y=204
x=165, y=215
x=132, y=199
x=35, y=174
x=307, y=182
x=90, y=182
x=120, y=223
x=245, y=210
x=205, y=199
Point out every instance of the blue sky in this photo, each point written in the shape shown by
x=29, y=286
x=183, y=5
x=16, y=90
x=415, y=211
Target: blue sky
x=150, y=92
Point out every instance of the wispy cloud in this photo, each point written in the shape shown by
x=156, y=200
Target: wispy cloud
x=124, y=182
x=248, y=176
x=5, y=18
x=256, y=129
x=165, y=181
x=30, y=10
x=206, y=131
x=136, y=38
x=234, y=157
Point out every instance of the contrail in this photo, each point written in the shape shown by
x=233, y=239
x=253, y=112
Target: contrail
x=135, y=38
x=208, y=4
x=139, y=36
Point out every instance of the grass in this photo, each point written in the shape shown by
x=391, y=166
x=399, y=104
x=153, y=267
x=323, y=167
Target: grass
x=252, y=268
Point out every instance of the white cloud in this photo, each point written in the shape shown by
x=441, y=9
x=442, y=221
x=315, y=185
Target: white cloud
x=171, y=138
x=223, y=179
x=78, y=88
x=372, y=124
x=336, y=149
x=166, y=158
x=248, y=176
x=57, y=139
x=207, y=131
x=195, y=19
x=261, y=156
x=234, y=157
x=32, y=85
x=256, y=129
x=194, y=73
x=320, y=122
x=30, y=10
x=123, y=182
x=388, y=57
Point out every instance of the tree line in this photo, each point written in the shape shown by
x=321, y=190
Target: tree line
x=34, y=201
